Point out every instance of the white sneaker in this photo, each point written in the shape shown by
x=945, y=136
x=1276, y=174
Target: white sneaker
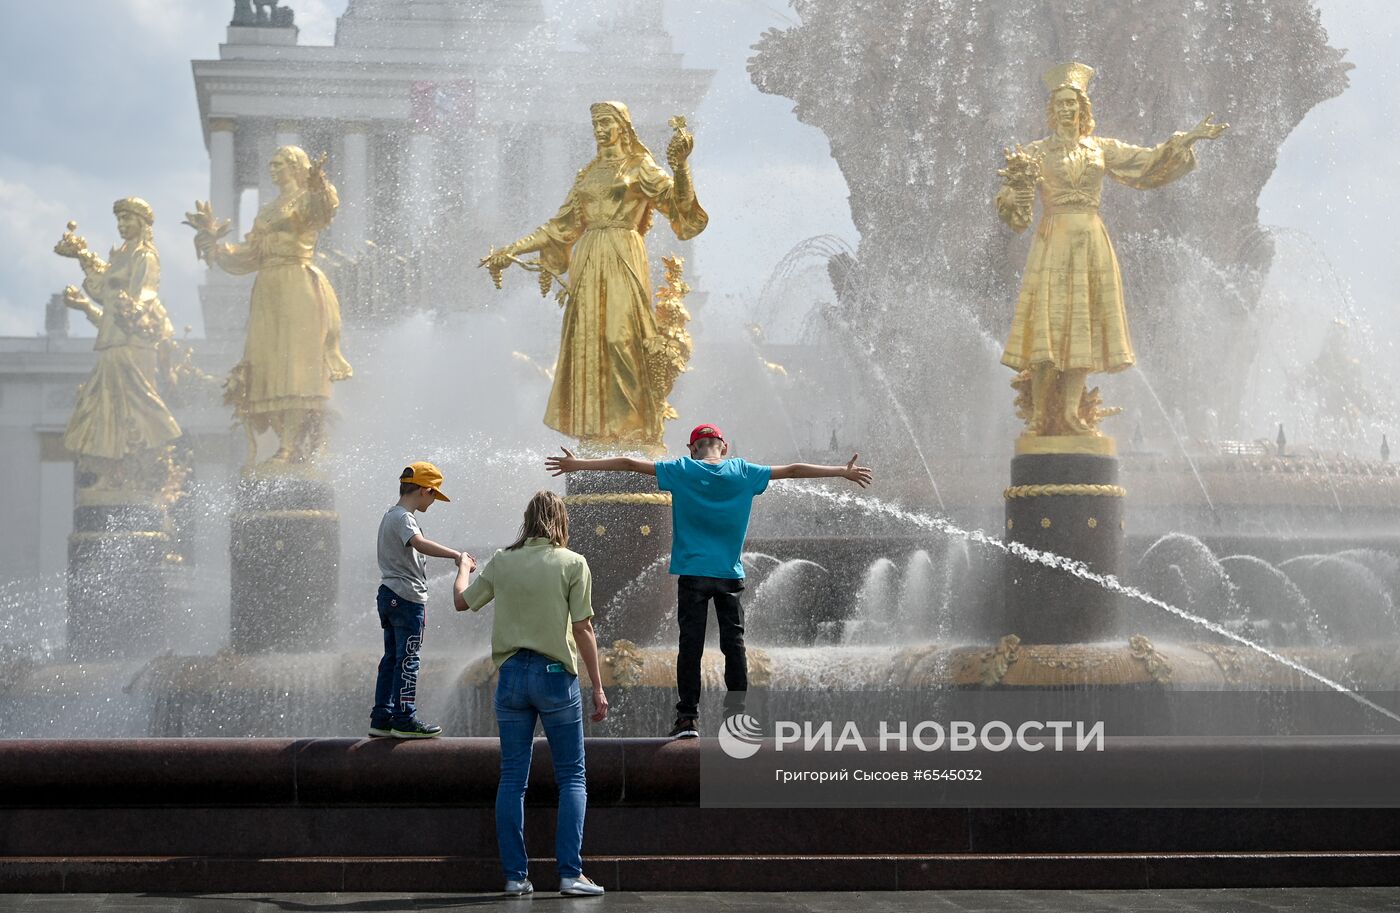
x=517, y=888
x=582, y=885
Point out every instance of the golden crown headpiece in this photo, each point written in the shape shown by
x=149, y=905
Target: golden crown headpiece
x=1076, y=75
x=137, y=207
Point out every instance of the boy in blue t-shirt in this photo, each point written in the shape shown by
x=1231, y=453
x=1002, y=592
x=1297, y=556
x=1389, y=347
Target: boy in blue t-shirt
x=711, y=498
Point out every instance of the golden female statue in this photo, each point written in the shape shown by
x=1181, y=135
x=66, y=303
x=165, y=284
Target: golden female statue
x=292, y=353
x=604, y=391
x=1070, y=320
x=120, y=425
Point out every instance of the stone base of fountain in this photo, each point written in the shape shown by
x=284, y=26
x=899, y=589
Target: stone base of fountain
x=285, y=547
x=217, y=815
x=119, y=561
x=1069, y=505
x=1134, y=685
x=622, y=525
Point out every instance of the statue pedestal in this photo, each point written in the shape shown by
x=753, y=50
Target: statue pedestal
x=1069, y=504
x=285, y=564
x=622, y=525
x=118, y=566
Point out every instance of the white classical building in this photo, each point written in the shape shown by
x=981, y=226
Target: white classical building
x=449, y=125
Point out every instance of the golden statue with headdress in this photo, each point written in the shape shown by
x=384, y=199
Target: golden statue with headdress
x=292, y=352
x=1070, y=320
x=121, y=429
x=610, y=387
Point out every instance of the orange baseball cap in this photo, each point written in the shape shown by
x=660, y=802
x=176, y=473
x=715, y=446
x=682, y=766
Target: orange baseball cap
x=424, y=475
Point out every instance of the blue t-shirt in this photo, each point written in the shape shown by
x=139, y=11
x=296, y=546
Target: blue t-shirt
x=710, y=504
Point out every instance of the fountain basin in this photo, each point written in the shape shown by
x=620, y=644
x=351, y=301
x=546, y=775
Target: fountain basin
x=328, y=694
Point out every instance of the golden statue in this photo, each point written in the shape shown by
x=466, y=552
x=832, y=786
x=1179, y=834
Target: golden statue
x=292, y=353
x=606, y=392
x=121, y=430
x=668, y=352
x=1070, y=321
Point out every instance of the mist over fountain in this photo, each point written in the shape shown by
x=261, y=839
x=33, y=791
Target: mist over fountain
x=1284, y=546
x=1212, y=576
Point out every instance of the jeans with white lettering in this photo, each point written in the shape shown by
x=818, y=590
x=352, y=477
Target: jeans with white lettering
x=396, y=690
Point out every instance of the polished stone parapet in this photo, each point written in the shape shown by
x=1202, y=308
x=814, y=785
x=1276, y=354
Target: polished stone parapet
x=341, y=814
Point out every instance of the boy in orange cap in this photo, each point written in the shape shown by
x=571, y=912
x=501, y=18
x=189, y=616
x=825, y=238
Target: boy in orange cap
x=711, y=498
x=403, y=594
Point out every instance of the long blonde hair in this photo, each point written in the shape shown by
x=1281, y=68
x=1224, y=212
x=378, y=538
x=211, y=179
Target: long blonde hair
x=546, y=517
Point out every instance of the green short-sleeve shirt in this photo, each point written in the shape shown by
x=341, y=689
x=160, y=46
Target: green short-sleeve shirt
x=540, y=590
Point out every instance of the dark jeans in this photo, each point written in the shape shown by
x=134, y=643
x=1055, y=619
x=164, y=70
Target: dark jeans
x=396, y=690
x=693, y=595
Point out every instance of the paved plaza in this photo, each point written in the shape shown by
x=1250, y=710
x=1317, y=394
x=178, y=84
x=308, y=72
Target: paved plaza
x=1270, y=900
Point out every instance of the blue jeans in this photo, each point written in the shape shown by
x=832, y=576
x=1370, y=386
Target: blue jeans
x=396, y=689
x=526, y=691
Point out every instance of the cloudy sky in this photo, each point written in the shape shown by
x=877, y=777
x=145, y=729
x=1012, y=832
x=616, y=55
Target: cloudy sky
x=97, y=102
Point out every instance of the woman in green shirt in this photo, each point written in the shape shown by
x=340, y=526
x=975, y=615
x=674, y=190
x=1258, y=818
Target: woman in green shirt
x=542, y=627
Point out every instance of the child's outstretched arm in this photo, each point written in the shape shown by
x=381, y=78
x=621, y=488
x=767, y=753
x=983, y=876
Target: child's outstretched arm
x=465, y=565
x=861, y=475
x=558, y=465
x=432, y=549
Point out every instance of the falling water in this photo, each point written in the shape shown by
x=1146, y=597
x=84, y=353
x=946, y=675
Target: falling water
x=1180, y=444
x=918, y=610
x=1078, y=569
x=908, y=426
x=871, y=623
x=750, y=558
x=782, y=602
x=775, y=396
x=874, y=367
x=635, y=585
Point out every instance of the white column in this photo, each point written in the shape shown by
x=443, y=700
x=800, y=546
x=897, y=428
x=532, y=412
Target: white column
x=420, y=202
x=266, y=145
x=223, y=298
x=223, y=180
x=351, y=224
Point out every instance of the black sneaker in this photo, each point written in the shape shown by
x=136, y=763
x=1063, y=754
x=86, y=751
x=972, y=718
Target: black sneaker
x=415, y=729
x=380, y=730
x=685, y=728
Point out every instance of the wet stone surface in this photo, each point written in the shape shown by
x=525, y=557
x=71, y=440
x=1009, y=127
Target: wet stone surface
x=1279, y=900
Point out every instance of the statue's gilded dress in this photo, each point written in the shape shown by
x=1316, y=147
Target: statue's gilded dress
x=1070, y=311
x=292, y=352
x=119, y=410
x=601, y=390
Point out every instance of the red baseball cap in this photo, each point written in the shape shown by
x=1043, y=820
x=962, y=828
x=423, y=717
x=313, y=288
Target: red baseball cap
x=700, y=431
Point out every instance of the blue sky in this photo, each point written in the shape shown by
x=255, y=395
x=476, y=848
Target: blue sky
x=98, y=102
